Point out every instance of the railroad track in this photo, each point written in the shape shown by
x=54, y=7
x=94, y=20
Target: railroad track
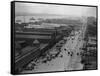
x=33, y=53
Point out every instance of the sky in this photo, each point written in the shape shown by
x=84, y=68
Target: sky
x=30, y=8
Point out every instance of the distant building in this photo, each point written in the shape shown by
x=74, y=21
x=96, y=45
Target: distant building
x=18, y=21
x=32, y=26
x=50, y=25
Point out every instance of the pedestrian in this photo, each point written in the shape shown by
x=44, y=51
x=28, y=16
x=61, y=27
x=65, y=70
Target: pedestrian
x=65, y=49
x=71, y=53
x=68, y=52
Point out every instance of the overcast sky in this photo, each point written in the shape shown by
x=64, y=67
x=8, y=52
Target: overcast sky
x=54, y=9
